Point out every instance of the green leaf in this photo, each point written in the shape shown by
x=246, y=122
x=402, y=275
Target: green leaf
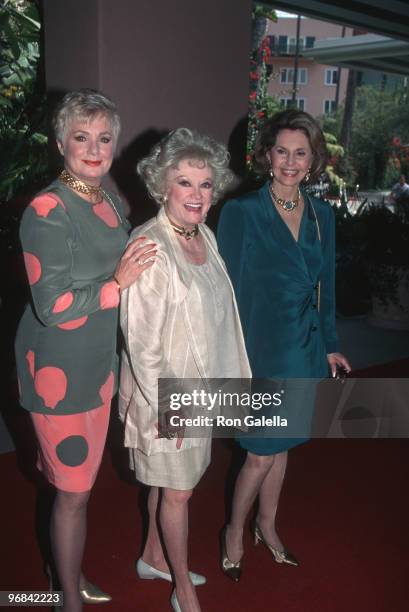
x=259, y=10
x=5, y=102
x=11, y=39
x=25, y=19
x=40, y=138
x=22, y=117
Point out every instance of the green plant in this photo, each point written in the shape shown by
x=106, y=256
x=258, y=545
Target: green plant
x=372, y=255
x=335, y=152
x=23, y=139
x=260, y=10
x=378, y=116
x=386, y=235
x=398, y=162
x=352, y=282
x=384, y=244
x=261, y=104
x=340, y=166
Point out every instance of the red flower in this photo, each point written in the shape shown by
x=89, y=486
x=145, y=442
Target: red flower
x=396, y=141
x=253, y=95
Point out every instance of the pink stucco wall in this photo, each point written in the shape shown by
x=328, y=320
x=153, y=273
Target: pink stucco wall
x=166, y=65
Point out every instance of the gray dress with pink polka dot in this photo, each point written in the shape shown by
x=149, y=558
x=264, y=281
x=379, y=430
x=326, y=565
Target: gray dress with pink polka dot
x=66, y=340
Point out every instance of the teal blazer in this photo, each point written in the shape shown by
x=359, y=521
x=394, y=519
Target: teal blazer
x=275, y=279
x=287, y=334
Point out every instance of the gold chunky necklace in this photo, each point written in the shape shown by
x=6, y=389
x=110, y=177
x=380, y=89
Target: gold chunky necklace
x=182, y=231
x=95, y=193
x=287, y=205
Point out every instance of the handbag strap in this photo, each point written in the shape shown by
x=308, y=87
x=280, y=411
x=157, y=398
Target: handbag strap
x=111, y=202
x=319, y=238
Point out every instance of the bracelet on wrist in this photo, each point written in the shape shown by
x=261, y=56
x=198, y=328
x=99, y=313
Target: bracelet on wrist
x=117, y=283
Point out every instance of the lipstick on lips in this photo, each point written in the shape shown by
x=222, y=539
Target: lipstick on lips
x=289, y=171
x=192, y=207
x=93, y=163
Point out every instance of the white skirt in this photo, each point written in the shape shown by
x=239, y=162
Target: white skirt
x=180, y=470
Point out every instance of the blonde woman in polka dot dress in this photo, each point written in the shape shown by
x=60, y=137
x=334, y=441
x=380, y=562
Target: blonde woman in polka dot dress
x=74, y=237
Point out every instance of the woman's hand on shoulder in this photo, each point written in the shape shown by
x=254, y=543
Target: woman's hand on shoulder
x=337, y=361
x=138, y=256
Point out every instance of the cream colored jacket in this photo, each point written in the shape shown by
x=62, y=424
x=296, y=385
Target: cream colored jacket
x=162, y=323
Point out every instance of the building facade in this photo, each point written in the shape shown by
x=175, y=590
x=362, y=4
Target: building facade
x=318, y=87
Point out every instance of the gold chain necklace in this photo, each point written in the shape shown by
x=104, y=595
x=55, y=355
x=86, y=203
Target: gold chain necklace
x=287, y=205
x=95, y=193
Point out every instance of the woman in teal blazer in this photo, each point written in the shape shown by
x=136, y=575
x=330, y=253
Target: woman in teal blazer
x=279, y=247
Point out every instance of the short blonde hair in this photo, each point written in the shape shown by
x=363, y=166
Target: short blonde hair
x=85, y=104
x=185, y=144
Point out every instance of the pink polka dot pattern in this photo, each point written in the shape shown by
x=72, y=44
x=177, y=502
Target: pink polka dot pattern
x=106, y=389
x=51, y=385
x=30, y=360
x=104, y=211
x=63, y=302
x=74, y=324
x=44, y=204
x=53, y=430
x=109, y=296
x=33, y=267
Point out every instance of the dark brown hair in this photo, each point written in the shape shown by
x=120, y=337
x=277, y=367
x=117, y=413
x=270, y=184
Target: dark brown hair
x=291, y=119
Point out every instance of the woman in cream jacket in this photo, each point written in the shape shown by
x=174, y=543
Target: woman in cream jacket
x=179, y=321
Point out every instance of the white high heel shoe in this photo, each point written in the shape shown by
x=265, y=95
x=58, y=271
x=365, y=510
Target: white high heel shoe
x=174, y=602
x=147, y=572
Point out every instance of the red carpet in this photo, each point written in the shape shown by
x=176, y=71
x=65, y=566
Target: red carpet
x=344, y=513
x=394, y=369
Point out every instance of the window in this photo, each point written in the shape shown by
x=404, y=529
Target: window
x=329, y=107
x=282, y=45
x=286, y=103
x=292, y=42
x=287, y=44
x=287, y=76
x=309, y=42
x=331, y=76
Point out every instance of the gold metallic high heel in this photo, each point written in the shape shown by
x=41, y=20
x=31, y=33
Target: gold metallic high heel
x=232, y=570
x=280, y=556
x=93, y=595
